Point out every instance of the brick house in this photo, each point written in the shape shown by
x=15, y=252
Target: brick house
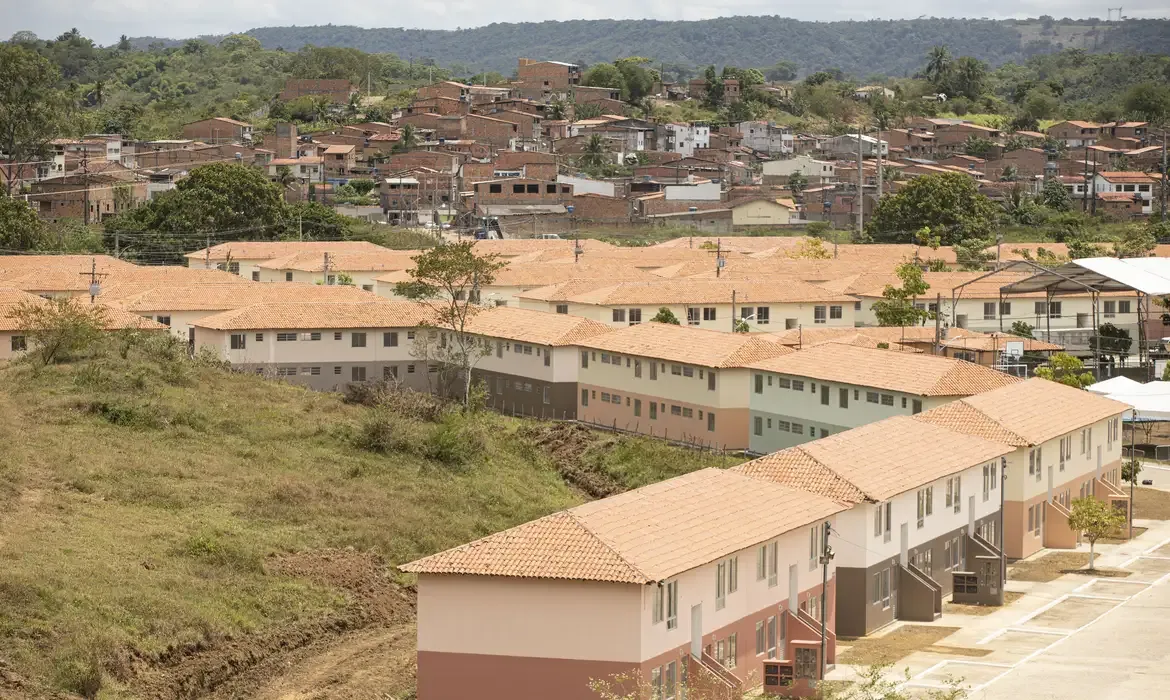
x=447, y=89
x=1075, y=134
x=435, y=160
x=1029, y=162
x=1118, y=206
x=530, y=124
x=496, y=132
x=219, y=130
x=338, y=91
x=438, y=105
x=91, y=198
x=597, y=208
x=423, y=121
x=554, y=75
x=952, y=138
x=1138, y=186
x=339, y=160
x=521, y=191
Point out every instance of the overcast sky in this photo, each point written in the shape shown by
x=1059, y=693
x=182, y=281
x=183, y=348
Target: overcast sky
x=106, y=20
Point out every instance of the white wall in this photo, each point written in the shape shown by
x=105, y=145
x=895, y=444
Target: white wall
x=327, y=350
x=700, y=192
x=1023, y=486
x=731, y=389
x=584, y=185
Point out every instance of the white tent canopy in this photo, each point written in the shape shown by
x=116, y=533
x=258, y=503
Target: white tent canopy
x=1149, y=276
x=1151, y=400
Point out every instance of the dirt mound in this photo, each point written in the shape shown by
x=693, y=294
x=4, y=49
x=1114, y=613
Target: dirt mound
x=16, y=687
x=566, y=444
x=207, y=667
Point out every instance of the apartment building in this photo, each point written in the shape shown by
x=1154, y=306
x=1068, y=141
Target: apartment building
x=550, y=75
x=14, y=333
x=243, y=257
x=710, y=304
x=816, y=172
x=1075, y=134
x=1138, y=185
x=323, y=345
x=916, y=512
x=685, y=138
x=766, y=137
x=830, y=388
x=328, y=268
x=677, y=617
x=219, y=130
x=1067, y=445
x=677, y=382
x=529, y=361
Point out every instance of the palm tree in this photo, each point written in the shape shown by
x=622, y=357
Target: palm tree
x=354, y=106
x=320, y=108
x=594, y=153
x=1010, y=174
x=409, y=137
x=938, y=65
x=286, y=179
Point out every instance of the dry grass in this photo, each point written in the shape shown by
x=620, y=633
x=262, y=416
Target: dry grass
x=1053, y=565
x=1009, y=597
x=900, y=643
x=139, y=499
x=1137, y=531
x=1151, y=504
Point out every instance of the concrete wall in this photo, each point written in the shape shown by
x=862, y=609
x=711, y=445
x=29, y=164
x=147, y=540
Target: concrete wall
x=780, y=315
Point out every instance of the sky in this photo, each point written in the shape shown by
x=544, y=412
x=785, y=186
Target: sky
x=106, y=20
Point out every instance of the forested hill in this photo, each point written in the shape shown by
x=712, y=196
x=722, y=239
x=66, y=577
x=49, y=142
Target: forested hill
x=861, y=49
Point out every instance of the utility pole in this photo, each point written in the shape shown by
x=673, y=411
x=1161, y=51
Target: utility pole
x=937, y=322
x=1085, y=195
x=860, y=184
x=1164, y=182
x=879, y=164
x=1093, y=206
x=733, y=311
x=300, y=227
x=117, y=244
x=93, y=287
x=718, y=256
x=207, y=252
x=826, y=557
x=85, y=182
x=325, y=269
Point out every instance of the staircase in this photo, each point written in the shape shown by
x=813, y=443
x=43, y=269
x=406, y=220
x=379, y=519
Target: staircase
x=919, y=597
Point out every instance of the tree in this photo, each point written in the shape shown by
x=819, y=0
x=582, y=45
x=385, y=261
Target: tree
x=968, y=78
x=20, y=227
x=447, y=279
x=948, y=203
x=1065, y=369
x=665, y=315
x=31, y=109
x=124, y=43
x=1111, y=340
x=1131, y=468
x=637, y=80
x=593, y=154
x=978, y=146
x=1135, y=242
x=972, y=254
x=1096, y=519
x=1054, y=196
x=58, y=328
x=896, y=307
x=797, y=182
x=938, y=67
x=713, y=99
x=782, y=71
x=604, y=75
x=741, y=326
x=1021, y=329
x=1148, y=101
x=810, y=249
x=589, y=110
x=313, y=221
x=408, y=138
x=1010, y=174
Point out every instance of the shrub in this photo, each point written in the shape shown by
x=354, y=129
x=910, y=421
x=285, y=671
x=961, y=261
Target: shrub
x=454, y=442
x=127, y=415
x=78, y=673
x=385, y=432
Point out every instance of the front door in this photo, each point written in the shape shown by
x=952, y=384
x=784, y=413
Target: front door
x=697, y=630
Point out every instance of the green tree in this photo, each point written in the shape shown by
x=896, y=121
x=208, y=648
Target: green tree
x=20, y=227
x=1135, y=242
x=665, y=315
x=968, y=78
x=593, y=154
x=1021, y=329
x=972, y=254
x=1131, y=468
x=797, y=182
x=1054, y=196
x=59, y=328
x=741, y=326
x=1065, y=369
x=782, y=71
x=313, y=221
x=1095, y=519
x=948, y=203
x=1112, y=341
x=447, y=279
x=978, y=146
x=938, y=67
x=589, y=110
x=896, y=307
x=31, y=109
x=604, y=75
x=713, y=100
x=637, y=80
x=1148, y=101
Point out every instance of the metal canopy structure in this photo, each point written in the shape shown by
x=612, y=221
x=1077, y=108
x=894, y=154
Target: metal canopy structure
x=1145, y=277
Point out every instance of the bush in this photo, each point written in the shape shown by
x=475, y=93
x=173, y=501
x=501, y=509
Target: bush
x=79, y=673
x=385, y=432
x=454, y=442
x=127, y=415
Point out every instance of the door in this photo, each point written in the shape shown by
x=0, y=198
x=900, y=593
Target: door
x=844, y=397
x=697, y=630
x=191, y=340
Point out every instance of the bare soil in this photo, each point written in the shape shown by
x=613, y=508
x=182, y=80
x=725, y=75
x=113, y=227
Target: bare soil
x=362, y=652
x=565, y=443
x=1056, y=564
x=1151, y=504
x=891, y=648
x=1123, y=536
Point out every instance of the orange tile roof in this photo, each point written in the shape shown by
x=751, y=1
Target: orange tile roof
x=684, y=344
x=1127, y=176
x=541, y=274
x=692, y=291
x=314, y=261
x=114, y=318
x=912, y=373
x=964, y=418
x=999, y=341
x=266, y=250
x=1036, y=410
x=804, y=337
x=884, y=459
x=641, y=536
x=212, y=297
x=374, y=313
x=529, y=326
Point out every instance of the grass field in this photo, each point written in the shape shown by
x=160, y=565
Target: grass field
x=146, y=505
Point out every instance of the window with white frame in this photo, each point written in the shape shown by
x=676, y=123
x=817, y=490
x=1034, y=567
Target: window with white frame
x=672, y=605
x=658, y=606
x=773, y=563
x=720, y=585
x=820, y=314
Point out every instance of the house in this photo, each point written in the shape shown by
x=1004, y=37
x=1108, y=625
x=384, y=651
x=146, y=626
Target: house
x=1067, y=445
x=832, y=387
x=323, y=345
x=697, y=88
x=693, y=382
x=997, y=349
x=1138, y=185
x=218, y=130
x=497, y=609
x=952, y=136
x=917, y=513
x=447, y=89
x=244, y=256
x=306, y=169
x=846, y=146
x=816, y=172
x=865, y=92
x=917, y=144
x=339, y=160
x=325, y=266
x=490, y=195
x=438, y=105
x=551, y=75
x=1118, y=206
x=92, y=197
x=1075, y=134
x=14, y=333
x=336, y=91
x=766, y=137
x=685, y=138
x=1126, y=130
x=1029, y=163
x=711, y=304
x=495, y=132
x=762, y=211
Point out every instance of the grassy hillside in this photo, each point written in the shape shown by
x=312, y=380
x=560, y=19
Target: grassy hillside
x=168, y=528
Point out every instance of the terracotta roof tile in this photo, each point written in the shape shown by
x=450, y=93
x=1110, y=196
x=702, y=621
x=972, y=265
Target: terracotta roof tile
x=373, y=313
x=695, y=346
x=653, y=293
x=912, y=373
x=264, y=250
x=211, y=297
x=114, y=318
x=967, y=419
x=539, y=327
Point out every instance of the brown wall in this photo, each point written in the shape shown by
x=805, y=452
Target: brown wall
x=213, y=131
x=451, y=676
x=503, y=395
x=601, y=208
x=448, y=90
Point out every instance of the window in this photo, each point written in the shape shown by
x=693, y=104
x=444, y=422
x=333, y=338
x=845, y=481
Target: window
x=763, y=314
x=797, y=428
x=720, y=585
x=819, y=314
x=239, y=341
x=797, y=385
x=285, y=337
x=676, y=370
x=337, y=336
x=871, y=396
x=835, y=312
x=357, y=340
x=310, y=336
x=288, y=277
x=887, y=399
x=688, y=371
x=710, y=380
x=533, y=189
x=824, y=394
x=773, y=563
x=759, y=379
x=286, y=371
x=255, y=275
x=692, y=316
x=1110, y=309
x=165, y=320
x=653, y=410
x=619, y=315
x=758, y=425
x=916, y=406
x=672, y=667
x=390, y=372
x=390, y=339
x=989, y=310
x=731, y=651
x=584, y=359
x=672, y=605
x=1123, y=307
x=710, y=422
x=709, y=313
x=635, y=316
x=584, y=397
x=550, y=189
x=358, y=374
x=761, y=639
x=843, y=398
x=658, y=605
x=655, y=673
x=337, y=370
x=518, y=189
x=675, y=410
x=259, y=337
x=771, y=637
x=562, y=308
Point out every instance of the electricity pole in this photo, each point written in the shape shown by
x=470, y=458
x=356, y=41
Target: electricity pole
x=860, y=184
x=879, y=164
x=733, y=311
x=826, y=557
x=1164, y=183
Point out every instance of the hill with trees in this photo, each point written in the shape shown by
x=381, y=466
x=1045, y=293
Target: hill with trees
x=860, y=49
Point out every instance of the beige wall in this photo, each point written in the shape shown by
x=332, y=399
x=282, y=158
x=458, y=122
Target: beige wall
x=6, y=352
x=361, y=278
x=760, y=213
x=530, y=617
x=779, y=314
x=327, y=350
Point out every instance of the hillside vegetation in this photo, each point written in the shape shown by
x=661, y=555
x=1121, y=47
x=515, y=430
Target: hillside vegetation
x=171, y=529
x=887, y=47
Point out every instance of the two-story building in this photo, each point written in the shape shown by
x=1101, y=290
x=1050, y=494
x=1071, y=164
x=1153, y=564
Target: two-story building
x=672, y=618
x=1138, y=185
x=15, y=332
x=766, y=137
x=1067, y=444
x=815, y=172
x=243, y=257
x=1075, y=134
x=671, y=381
x=829, y=388
x=916, y=509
